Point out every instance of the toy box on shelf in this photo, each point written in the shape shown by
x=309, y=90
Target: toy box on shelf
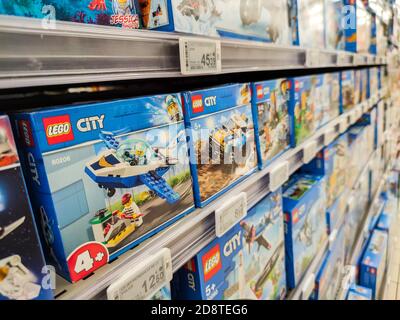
x=329, y=276
x=347, y=89
x=308, y=23
x=383, y=223
x=101, y=12
x=359, y=293
x=373, y=80
x=263, y=247
x=373, y=263
x=22, y=265
x=222, y=146
x=358, y=33
x=334, y=31
x=262, y=21
x=215, y=273
x=364, y=84
x=327, y=99
x=270, y=105
x=304, y=207
x=103, y=177
x=336, y=211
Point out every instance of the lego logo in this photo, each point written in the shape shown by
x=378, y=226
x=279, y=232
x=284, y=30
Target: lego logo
x=58, y=129
x=26, y=132
x=197, y=104
x=211, y=262
x=260, y=92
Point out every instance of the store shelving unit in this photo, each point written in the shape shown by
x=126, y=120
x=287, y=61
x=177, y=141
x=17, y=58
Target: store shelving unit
x=32, y=54
x=192, y=233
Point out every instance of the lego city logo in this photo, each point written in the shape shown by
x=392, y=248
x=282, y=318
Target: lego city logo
x=26, y=132
x=197, y=104
x=58, y=129
x=90, y=123
x=210, y=101
x=211, y=262
x=232, y=245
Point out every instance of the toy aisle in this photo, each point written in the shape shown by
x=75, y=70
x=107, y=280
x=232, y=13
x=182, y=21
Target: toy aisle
x=200, y=150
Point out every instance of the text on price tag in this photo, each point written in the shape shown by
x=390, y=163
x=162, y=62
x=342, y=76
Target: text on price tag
x=145, y=279
x=230, y=213
x=278, y=176
x=309, y=151
x=199, y=56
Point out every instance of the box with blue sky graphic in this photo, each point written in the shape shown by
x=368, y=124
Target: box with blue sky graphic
x=105, y=176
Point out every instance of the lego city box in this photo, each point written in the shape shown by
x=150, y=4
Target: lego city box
x=304, y=207
x=103, y=177
x=270, y=106
x=266, y=21
x=327, y=98
x=23, y=270
x=329, y=276
x=373, y=263
x=373, y=81
x=336, y=211
x=334, y=25
x=359, y=293
x=347, y=90
x=222, y=148
x=120, y=13
x=263, y=250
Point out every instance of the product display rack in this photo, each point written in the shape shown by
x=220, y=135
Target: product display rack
x=34, y=55
x=186, y=237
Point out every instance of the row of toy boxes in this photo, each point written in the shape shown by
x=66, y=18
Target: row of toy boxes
x=331, y=24
x=103, y=177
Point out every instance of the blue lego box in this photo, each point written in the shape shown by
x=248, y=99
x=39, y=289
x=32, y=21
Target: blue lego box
x=373, y=263
x=222, y=148
x=101, y=12
x=383, y=223
x=336, y=211
x=304, y=207
x=308, y=23
x=103, y=177
x=262, y=21
x=334, y=29
x=270, y=105
x=347, y=90
x=327, y=99
x=359, y=293
x=329, y=276
x=263, y=250
x=215, y=273
x=22, y=265
x=358, y=27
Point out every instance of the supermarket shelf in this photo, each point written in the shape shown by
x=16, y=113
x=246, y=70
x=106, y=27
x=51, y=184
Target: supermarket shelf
x=31, y=55
x=190, y=234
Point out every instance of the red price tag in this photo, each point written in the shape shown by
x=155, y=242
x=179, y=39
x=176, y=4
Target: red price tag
x=86, y=259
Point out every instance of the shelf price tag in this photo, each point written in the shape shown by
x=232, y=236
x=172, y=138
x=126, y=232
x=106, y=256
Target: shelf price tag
x=343, y=124
x=341, y=59
x=278, y=176
x=358, y=59
x=354, y=116
x=230, y=213
x=329, y=136
x=145, y=279
x=308, y=287
x=365, y=107
x=312, y=58
x=309, y=151
x=199, y=56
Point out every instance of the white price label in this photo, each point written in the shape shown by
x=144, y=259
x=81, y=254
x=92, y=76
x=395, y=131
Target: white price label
x=309, y=151
x=308, y=287
x=230, y=214
x=199, y=56
x=145, y=279
x=343, y=124
x=358, y=59
x=341, y=59
x=312, y=58
x=329, y=136
x=332, y=238
x=278, y=176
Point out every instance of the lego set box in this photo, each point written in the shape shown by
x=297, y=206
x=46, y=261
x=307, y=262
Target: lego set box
x=308, y=23
x=336, y=211
x=222, y=148
x=263, y=250
x=304, y=207
x=347, y=88
x=373, y=264
x=373, y=81
x=22, y=266
x=327, y=99
x=215, y=273
x=359, y=293
x=329, y=276
x=103, y=177
x=270, y=105
x=383, y=223
x=364, y=84
x=248, y=262
x=261, y=21
x=101, y=12
x=334, y=30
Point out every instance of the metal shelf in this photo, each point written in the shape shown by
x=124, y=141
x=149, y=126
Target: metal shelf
x=189, y=235
x=31, y=55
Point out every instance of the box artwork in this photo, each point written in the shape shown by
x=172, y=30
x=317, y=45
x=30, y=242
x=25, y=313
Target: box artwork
x=359, y=293
x=105, y=176
x=222, y=145
x=270, y=101
x=22, y=265
x=334, y=31
x=304, y=207
x=347, y=87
